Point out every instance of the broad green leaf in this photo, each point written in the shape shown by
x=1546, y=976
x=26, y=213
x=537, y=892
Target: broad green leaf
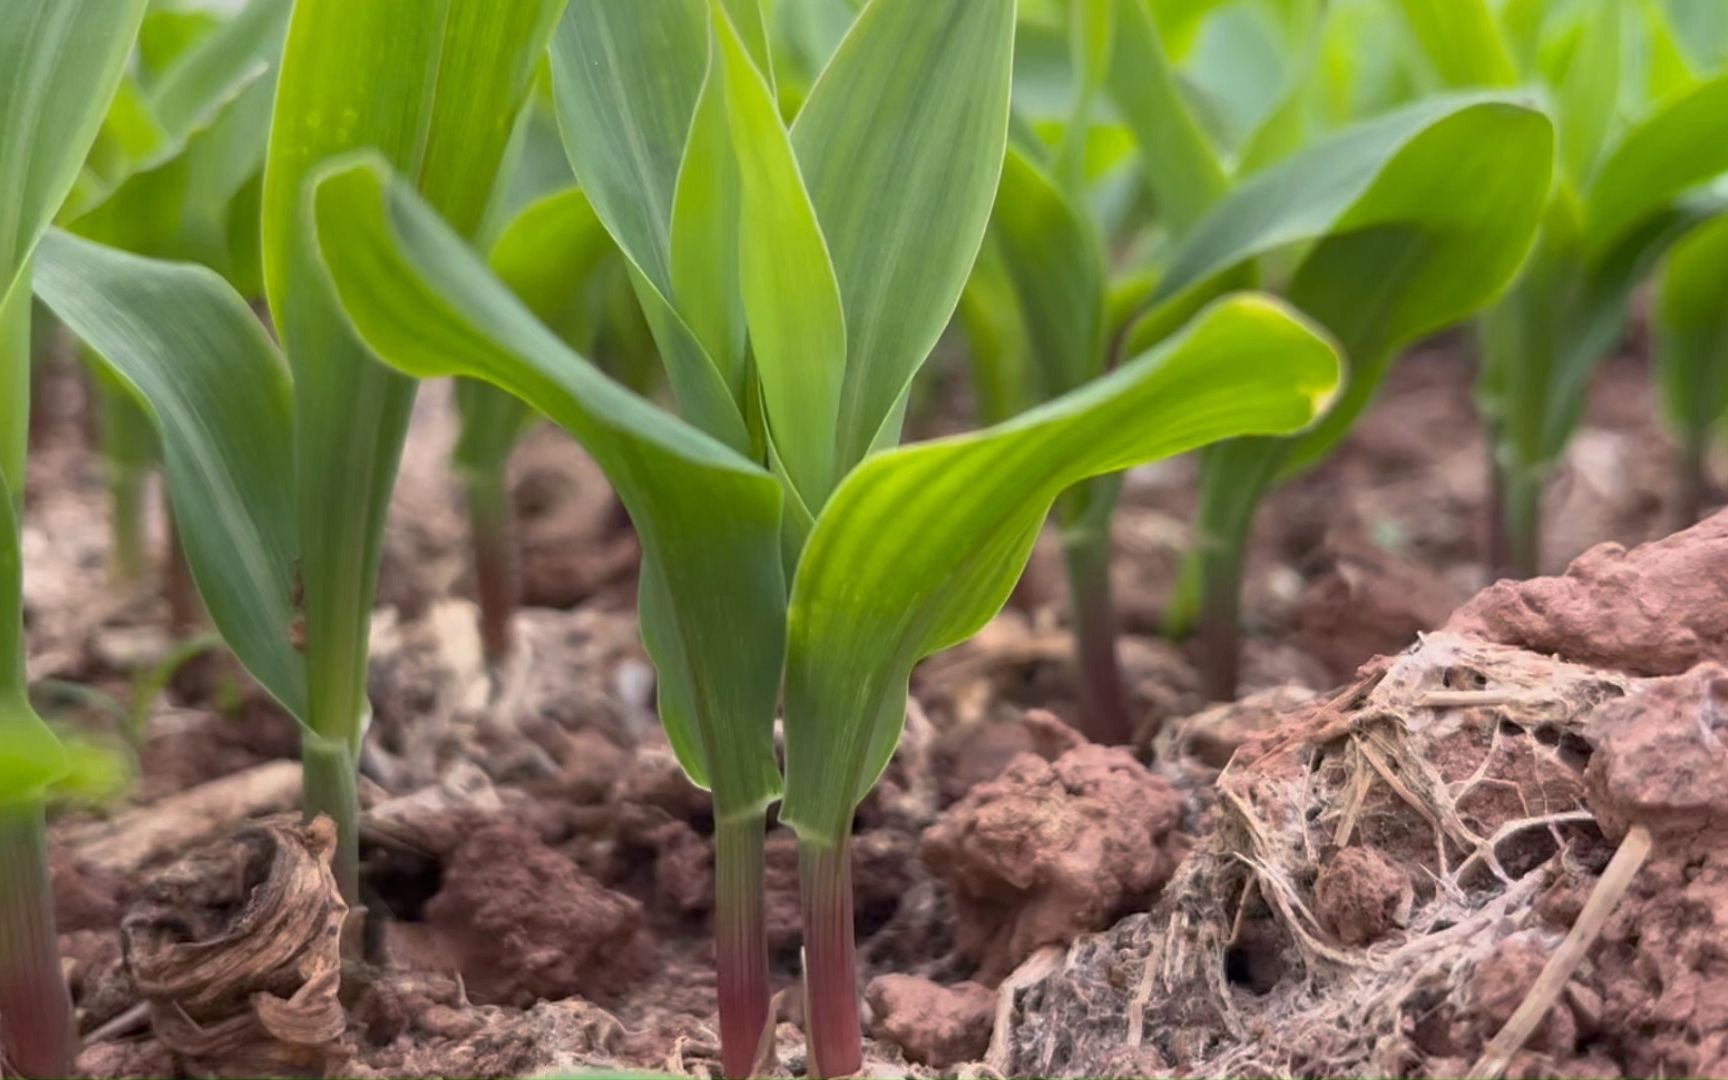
x=1461, y=42
x=1181, y=166
x=920, y=546
x=626, y=79
x=31, y=758
x=1692, y=332
x=706, y=231
x=797, y=329
x=196, y=359
x=1369, y=192
x=60, y=62
x=902, y=172
x=990, y=313
x=455, y=74
x=1681, y=145
x=713, y=594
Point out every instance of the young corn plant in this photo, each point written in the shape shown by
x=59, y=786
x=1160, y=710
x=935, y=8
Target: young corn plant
x=1622, y=194
x=1691, y=321
x=288, y=573
x=1038, y=308
x=63, y=60
x=1401, y=225
x=853, y=233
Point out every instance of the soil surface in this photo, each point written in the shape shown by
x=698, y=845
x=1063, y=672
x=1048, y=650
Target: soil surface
x=1363, y=867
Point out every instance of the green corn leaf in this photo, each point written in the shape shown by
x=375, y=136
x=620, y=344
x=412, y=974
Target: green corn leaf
x=196, y=359
x=31, y=758
x=1692, y=332
x=1679, y=146
x=1461, y=42
x=920, y=546
x=1588, y=93
x=626, y=79
x=208, y=72
x=791, y=296
x=1369, y=192
x=548, y=255
x=713, y=595
x=455, y=74
x=902, y=172
x=1054, y=258
x=1181, y=166
x=62, y=61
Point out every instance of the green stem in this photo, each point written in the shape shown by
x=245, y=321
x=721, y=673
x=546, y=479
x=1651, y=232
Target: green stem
x=36, y=1027
x=741, y=941
x=830, y=962
x=1103, y=698
x=1220, y=625
x=127, y=487
x=1522, y=489
x=185, y=610
x=330, y=787
x=15, y=382
x=495, y=578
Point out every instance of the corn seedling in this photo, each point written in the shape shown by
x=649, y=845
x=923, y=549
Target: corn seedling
x=65, y=58
x=288, y=574
x=1039, y=305
x=1622, y=193
x=1403, y=224
x=894, y=554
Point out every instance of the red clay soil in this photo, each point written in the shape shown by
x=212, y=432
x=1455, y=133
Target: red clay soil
x=1316, y=880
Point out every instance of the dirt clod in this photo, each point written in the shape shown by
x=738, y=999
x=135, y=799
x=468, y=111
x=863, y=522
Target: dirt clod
x=1361, y=895
x=1657, y=609
x=935, y=1025
x=1660, y=759
x=1048, y=851
x=528, y=924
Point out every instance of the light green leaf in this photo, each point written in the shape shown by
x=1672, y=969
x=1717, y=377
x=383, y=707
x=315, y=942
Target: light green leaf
x=1589, y=91
x=1054, y=258
x=61, y=62
x=1679, y=146
x=626, y=78
x=548, y=255
x=920, y=546
x=1181, y=166
x=713, y=594
x=902, y=172
x=455, y=74
x=791, y=297
x=210, y=71
x=1461, y=42
x=198, y=362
